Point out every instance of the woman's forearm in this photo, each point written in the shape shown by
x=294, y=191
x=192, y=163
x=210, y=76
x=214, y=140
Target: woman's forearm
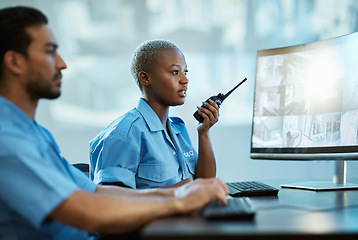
x=206, y=165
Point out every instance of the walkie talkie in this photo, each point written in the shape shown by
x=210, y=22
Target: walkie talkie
x=218, y=99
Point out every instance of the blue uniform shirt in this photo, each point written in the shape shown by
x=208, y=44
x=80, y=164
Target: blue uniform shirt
x=136, y=150
x=34, y=179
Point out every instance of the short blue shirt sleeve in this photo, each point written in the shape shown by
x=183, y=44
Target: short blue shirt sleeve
x=117, y=154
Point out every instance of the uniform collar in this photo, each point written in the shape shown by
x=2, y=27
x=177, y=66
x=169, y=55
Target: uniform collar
x=150, y=117
x=173, y=127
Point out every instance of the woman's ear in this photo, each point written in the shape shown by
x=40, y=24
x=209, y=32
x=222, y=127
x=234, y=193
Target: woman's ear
x=13, y=61
x=144, y=78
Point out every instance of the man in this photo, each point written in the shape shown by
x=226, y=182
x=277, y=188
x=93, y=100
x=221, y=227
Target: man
x=42, y=196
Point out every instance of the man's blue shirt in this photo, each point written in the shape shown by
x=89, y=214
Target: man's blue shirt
x=136, y=150
x=35, y=179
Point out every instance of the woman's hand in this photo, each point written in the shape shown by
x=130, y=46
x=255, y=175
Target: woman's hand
x=210, y=113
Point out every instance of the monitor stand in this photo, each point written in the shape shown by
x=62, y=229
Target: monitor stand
x=338, y=183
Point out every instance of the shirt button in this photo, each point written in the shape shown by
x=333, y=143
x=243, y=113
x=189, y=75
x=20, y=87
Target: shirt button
x=174, y=153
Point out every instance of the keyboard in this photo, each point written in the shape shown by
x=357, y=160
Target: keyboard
x=236, y=209
x=251, y=188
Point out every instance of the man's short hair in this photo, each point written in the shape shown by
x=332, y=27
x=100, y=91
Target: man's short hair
x=13, y=34
x=145, y=55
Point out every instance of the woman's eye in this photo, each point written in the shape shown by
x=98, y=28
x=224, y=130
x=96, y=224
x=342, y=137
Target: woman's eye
x=186, y=72
x=175, y=72
x=51, y=51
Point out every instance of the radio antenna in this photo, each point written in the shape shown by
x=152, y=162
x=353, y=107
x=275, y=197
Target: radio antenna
x=229, y=92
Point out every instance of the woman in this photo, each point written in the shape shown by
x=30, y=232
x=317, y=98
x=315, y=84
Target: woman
x=145, y=148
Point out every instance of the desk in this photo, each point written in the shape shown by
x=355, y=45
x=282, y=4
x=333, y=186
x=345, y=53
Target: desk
x=293, y=214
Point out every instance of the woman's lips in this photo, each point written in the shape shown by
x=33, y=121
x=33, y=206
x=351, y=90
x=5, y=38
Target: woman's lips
x=182, y=93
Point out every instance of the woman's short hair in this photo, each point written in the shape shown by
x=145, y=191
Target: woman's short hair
x=145, y=55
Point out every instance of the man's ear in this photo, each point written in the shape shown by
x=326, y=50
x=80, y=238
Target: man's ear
x=144, y=78
x=14, y=61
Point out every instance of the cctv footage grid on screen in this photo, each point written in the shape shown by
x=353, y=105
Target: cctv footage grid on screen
x=306, y=96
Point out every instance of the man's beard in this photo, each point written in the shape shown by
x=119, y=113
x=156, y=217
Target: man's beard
x=38, y=90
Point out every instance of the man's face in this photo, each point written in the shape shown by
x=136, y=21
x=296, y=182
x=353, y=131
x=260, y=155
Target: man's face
x=43, y=64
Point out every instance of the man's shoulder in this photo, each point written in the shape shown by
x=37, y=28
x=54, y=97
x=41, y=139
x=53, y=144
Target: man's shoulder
x=6, y=119
x=11, y=124
x=12, y=118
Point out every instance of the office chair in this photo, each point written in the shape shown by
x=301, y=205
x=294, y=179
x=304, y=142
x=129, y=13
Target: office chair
x=84, y=167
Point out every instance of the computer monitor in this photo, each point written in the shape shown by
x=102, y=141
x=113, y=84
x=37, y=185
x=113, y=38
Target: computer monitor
x=306, y=105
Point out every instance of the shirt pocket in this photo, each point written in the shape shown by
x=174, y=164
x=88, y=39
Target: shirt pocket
x=157, y=172
x=191, y=165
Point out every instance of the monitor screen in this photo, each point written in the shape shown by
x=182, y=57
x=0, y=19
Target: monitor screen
x=306, y=101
